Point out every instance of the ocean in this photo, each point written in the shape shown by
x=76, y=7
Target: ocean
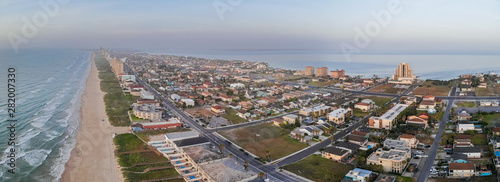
x=426, y=66
x=49, y=86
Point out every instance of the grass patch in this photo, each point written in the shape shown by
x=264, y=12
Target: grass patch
x=117, y=103
x=134, y=118
x=431, y=88
x=379, y=101
x=319, y=169
x=485, y=92
x=270, y=138
x=465, y=104
x=232, y=117
x=404, y=179
x=158, y=174
x=491, y=119
x=479, y=139
x=357, y=112
x=128, y=142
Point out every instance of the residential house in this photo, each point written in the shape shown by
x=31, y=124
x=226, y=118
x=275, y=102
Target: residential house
x=188, y=102
x=463, y=126
x=461, y=169
x=358, y=140
x=358, y=175
x=458, y=158
x=463, y=116
x=334, y=153
x=463, y=141
x=410, y=100
x=471, y=152
x=290, y=118
x=365, y=105
x=175, y=97
x=495, y=142
x=317, y=110
x=418, y=121
x=339, y=116
x=385, y=178
x=234, y=106
x=278, y=121
x=246, y=105
x=427, y=104
x=411, y=139
x=397, y=144
x=243, y=114
x=226, y=98
x=218, y=110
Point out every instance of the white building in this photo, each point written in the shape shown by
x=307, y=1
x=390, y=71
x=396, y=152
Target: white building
x=237, y=86
x=463, y=126
x=189, y=102
x=175, y=97
x=358, y=175
x=385, y=121
x=147, y=95
x=338, y=116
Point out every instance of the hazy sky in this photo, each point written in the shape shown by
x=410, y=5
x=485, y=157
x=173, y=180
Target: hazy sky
x=420, y=25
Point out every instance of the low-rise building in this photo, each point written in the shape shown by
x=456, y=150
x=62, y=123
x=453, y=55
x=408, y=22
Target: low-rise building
x=147, y=111
x=290, y=118
x=463, y=116
x=385, y=121
x=471, y=152
x=218, y=110
x=393, y=160
x=339, y=116
x=278, y=121
x=463, y=141
x=411, y=139
x=147, y=95
x=462, y=169
x=188, y=102
x=317, y=110
x=358, y=175
x=334, y=153
x=463, y=126
x=171, y=123
x=365, y=105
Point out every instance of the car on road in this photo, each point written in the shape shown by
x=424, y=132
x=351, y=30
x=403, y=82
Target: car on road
x=228, y=142
x=246, y=153
x=448, y=156
x=242, y=150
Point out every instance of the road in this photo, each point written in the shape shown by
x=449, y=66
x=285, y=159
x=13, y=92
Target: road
x=271, y=172
x=425, y=170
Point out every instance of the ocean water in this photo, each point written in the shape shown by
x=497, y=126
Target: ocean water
x=426, y=66
x=49, y=85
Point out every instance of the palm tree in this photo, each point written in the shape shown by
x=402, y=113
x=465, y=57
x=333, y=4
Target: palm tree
x=246, y=165
x=222, y=147
x=262, y=175
x=230, y=155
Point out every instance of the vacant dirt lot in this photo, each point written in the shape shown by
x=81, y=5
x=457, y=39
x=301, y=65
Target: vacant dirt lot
x=441, y=90
x=264, y=137
x=386, y=88
x=200, y=112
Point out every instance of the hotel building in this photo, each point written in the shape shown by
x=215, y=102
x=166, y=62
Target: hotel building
x=309, y=71
x=322, y=72
x=337, y=73
x=404, y=75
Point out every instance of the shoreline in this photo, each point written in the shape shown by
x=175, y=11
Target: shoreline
x=93, y=157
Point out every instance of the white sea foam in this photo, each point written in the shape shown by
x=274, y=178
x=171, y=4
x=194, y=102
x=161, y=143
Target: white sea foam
x=36, y=157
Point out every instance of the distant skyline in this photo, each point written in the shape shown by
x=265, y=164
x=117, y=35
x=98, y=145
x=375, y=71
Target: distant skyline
x=421, y=26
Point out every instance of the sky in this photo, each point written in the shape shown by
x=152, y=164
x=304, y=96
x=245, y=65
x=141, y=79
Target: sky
x=413, y=25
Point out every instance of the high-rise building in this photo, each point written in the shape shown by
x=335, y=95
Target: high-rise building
x=404, y=75
x=117, y=66
x=337, y=73
x=323, y=71
x=309, y=71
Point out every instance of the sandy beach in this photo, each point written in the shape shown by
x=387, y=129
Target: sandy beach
x=93, y=157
